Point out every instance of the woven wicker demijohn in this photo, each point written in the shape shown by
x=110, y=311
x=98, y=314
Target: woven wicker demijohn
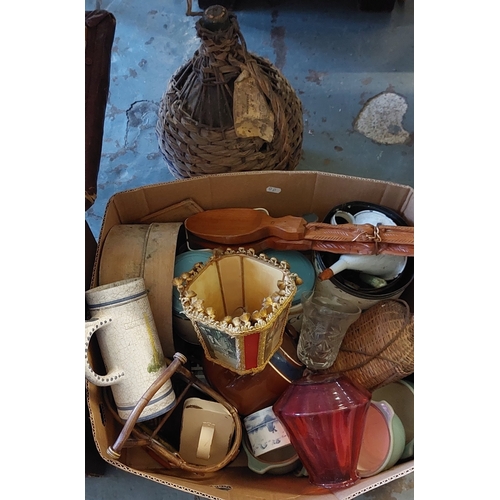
x=227, y=110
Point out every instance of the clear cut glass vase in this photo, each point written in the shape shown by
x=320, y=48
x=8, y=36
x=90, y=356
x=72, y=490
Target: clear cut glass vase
x=325, y=322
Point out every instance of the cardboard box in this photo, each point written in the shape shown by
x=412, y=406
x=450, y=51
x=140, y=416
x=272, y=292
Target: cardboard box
x=281, y=193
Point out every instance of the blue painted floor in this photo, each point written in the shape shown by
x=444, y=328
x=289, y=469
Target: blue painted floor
x=336, y=57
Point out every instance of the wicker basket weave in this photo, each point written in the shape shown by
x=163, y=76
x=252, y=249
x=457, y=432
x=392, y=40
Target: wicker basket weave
x=192, y=148
x=378, y=348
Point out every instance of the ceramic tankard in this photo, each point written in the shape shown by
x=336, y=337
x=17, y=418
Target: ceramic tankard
x=130, y=347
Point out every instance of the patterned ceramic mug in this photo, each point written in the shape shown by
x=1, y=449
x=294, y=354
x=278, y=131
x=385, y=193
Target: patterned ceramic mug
x=130, y=347
x=265, y=432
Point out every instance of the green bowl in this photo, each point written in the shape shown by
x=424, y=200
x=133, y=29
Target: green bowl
x=400, y=395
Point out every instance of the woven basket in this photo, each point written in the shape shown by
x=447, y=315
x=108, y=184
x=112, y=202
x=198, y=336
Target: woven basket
x=378, y=348
x=146, y=434
x=193, y=148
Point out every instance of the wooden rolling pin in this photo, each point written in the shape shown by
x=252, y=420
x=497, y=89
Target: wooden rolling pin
x=245, y=226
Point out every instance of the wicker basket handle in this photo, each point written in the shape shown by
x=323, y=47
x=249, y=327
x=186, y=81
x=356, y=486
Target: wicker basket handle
x=115, y=450
x=164, y=453
x=174, y=459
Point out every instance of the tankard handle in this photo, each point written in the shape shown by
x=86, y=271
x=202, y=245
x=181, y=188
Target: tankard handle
x=115, y=374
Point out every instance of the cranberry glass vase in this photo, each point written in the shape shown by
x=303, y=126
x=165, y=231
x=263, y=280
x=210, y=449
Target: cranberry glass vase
x=324, y=415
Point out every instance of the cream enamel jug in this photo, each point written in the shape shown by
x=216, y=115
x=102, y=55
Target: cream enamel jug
x=130, y=347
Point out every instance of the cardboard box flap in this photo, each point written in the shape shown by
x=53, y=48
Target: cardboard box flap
x=135, y=204
x=220, y=485
x=281, y=193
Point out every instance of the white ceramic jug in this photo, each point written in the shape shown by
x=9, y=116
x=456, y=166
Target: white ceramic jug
x=386, y=267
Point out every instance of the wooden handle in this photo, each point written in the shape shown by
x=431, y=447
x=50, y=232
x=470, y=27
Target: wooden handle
x=325, y=275
x=350, y=248
x=233, y=227
x=259, y=246
x=243, y=225
x=115, y=450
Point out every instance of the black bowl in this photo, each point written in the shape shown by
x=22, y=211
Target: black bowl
x=349, y=280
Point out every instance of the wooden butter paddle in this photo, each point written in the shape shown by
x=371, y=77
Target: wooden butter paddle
x=244, y=226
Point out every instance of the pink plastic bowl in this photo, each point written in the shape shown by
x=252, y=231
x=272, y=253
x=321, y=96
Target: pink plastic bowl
x=383, y=440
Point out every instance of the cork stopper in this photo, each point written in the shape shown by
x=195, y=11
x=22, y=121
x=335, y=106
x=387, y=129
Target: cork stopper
x=215, y=18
